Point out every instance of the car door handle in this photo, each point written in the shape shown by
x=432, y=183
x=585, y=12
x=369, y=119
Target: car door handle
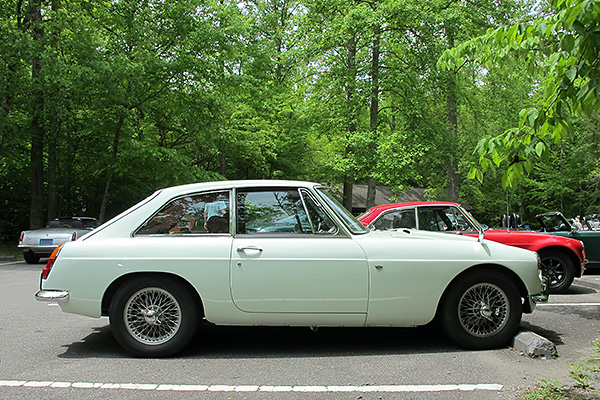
x=249, y=249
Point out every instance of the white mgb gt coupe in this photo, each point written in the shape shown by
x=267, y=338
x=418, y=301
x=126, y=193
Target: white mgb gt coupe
x=282, y=253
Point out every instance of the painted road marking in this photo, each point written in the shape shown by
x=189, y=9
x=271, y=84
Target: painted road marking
x=568, y=304
x=255, y=388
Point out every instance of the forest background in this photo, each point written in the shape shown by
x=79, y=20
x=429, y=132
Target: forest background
x=102, y=102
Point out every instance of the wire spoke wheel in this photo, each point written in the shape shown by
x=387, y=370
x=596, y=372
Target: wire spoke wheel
x=152, y=316
x=483, y=310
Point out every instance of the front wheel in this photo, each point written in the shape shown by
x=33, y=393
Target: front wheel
x=559, y=269
x=482, y=310
x=153, y=317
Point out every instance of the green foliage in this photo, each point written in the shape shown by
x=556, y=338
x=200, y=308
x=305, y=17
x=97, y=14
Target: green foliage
x=584, y=374
x=135, y=96
x=560, y=51
x=580, y=375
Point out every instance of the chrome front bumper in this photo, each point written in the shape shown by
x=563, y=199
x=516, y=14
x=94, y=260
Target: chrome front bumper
x=50, y=296
x=540, y=298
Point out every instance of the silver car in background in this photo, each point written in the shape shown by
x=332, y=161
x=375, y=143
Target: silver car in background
x=40, y=243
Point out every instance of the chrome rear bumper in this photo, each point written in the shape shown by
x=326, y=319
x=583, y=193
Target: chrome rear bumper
x=58, y=296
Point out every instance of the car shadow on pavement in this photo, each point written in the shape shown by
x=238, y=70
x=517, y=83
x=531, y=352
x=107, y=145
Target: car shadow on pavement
x=266, y=342
x=233, y=342
x=99, y=344
x=223, y=342
x=551, y=335
x=577, y=289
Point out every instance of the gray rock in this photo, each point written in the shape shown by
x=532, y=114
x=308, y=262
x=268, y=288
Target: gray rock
x=534, y=345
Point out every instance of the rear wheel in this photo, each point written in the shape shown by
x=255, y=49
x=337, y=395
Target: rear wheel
x=31, y=258
x=559, y=269
x=482, y=310
x=153, y=317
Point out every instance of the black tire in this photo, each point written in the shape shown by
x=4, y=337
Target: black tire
x=31, y=258
x=153, y=317
x=481, y=310
x=558, y=268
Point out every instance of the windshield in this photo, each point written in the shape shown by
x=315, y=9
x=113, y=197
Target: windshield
x=478, y=225
x=553, y=223
x=348, y=219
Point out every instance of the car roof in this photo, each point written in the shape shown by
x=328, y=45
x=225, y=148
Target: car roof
x=412, y=204
x=217, y=185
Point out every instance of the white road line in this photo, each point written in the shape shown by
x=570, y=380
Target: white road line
x=255, y=388
x=568, y=304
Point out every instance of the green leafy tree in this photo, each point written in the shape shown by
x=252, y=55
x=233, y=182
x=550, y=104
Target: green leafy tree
x=561, y=53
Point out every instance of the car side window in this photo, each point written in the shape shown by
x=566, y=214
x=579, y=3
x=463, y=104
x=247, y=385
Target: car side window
x=445, y=219
x=396, y=219
x=194, y=214
x=431, y=219
x=279, y=211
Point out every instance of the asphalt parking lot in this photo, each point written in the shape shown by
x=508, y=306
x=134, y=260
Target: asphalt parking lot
x=591, y=280
x=45, y=353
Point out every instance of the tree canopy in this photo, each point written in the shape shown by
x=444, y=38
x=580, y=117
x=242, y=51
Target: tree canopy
x=560, y=53
x=102, y=102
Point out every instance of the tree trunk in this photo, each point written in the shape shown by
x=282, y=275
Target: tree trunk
x=374, y=113
x=452, y=118
x=111, y=172
x=222, y=159
x=37, y=130
x=52, y=193
x=452, y=162
x=5, y=107
x=53, y=131
x=351, y=128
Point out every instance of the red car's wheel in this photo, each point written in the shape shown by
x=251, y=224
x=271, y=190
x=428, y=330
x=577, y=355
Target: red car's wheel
x=559, y=270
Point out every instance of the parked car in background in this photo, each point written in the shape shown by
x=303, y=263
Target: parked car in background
x=319, y=267
x=562, y=258
x=40, y=243
x=555, y=223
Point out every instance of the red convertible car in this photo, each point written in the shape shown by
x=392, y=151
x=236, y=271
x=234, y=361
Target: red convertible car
x=563, y=259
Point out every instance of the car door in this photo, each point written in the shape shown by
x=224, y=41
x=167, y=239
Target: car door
x=289, y=256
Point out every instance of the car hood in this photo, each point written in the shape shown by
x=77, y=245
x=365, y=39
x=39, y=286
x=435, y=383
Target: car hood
x=507, y=233
x=444, y=246
x=419, y=234
x=518, y=237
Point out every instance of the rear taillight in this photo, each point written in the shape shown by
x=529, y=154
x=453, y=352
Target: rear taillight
x=74, y=236
x=50, y=262
x=21, y=237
